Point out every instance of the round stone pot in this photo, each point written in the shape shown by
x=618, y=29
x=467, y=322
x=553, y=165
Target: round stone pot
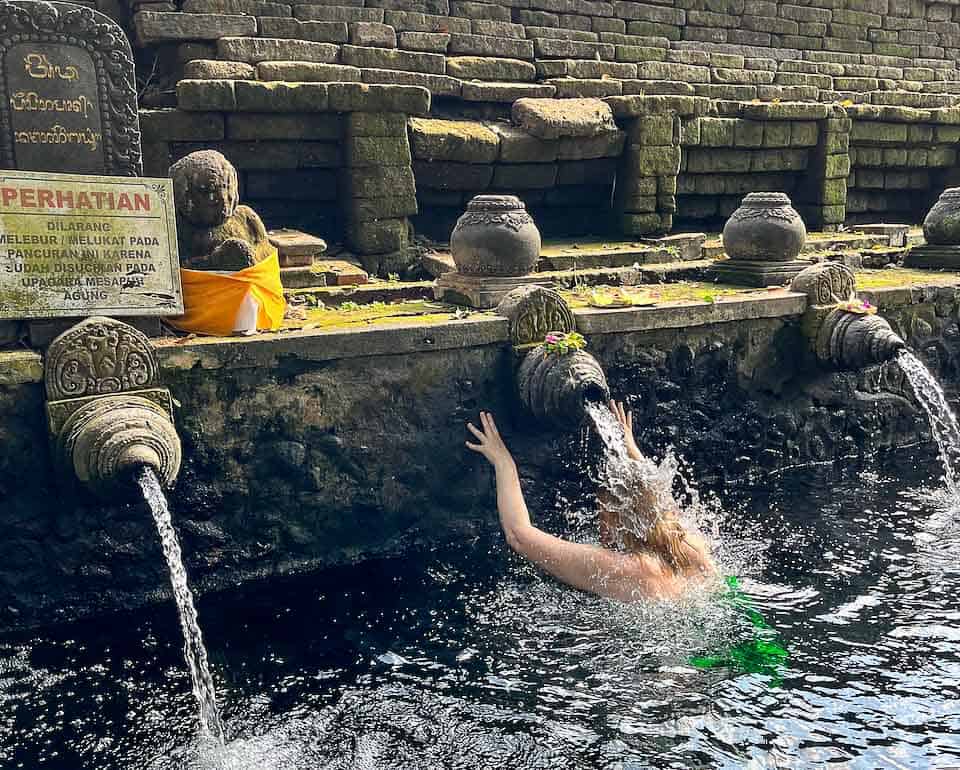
x=941, y=226
x=495, y=237
x=765, y=227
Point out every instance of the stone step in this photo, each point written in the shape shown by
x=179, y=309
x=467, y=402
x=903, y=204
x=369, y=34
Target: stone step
x=491, y=68
x=294, y=29
x=152, y=28
x=391, y=59
x=249, y=7
x=257, y=49
x=485, y=45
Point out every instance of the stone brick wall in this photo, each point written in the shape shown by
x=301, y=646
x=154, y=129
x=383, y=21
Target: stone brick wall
x=898, y=166
x=566, y=182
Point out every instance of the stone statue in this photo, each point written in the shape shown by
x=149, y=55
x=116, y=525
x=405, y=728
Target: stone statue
x=214, y=232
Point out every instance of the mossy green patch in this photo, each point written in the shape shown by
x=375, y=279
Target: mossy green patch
x=351, y=315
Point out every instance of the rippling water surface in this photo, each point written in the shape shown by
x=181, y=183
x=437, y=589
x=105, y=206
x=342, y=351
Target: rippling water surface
x=465, y=658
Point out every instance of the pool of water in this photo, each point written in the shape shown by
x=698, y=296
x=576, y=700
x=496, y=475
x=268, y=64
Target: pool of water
x=464, y=658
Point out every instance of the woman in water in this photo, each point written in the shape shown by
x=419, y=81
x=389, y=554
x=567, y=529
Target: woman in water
x=646, y=552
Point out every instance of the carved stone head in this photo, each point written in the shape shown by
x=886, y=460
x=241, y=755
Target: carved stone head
x=205, y=188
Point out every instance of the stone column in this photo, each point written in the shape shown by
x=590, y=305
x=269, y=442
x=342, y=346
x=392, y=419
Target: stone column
x=377, y=190
x=646, y=189
x=826, y=203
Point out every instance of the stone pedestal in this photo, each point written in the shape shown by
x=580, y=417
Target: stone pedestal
x=933, y=256
x=482, y=292
x=759, y=273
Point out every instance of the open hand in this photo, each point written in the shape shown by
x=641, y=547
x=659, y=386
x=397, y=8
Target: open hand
x=489, y=443
x=625, y=418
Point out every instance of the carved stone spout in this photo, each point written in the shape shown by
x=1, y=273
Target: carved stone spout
x=557, y=388
x=106, y=419
x=844, y=332
x=854, y=340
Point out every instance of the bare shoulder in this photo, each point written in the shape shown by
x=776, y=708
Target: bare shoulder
x=630, y=576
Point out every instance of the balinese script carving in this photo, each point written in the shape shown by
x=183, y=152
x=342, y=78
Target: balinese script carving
x=826, y=283
x=31, y=101
x=59, y=135
x=74, y=63
x=37, y=65
x=98, y=355
x=534, y=312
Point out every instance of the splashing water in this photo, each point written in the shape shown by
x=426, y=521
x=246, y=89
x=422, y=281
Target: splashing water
x=943, y=422
x=194, y=651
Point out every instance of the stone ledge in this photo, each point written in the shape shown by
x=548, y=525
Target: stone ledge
x=596, y=321
x=269, y=350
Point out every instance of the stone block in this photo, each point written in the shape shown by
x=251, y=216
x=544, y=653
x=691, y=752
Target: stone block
x=379, y=182
x=524, y=176
x=256, y=50
x=641, y=224
x=716, y=132
x=305, y=71
x=377, y=151
x=152, y=28
x=740, y=76
x=490, y=68
x=591, y=68
x=608, y=145
x=206, y=95
x=180, y=126
x=315, y=31
x=776, y=134
x=416, y=21
x=834, y=192
x=213, y=69
x=375, y=124
x=391, y=207
x=718, y=161
x=372, y=33
x=598, y=24
x=803, y=134
x=653, y=161
x=553, y=118
x=690, y=132
x=231, y=7
x=363, y=97
x=337, y=13
x=484, y=45
x=471, y=10
x=726, y=91
x=580, y=88
x=837, y=142
x=656, y=87
x=549, y=48
x=661, y=70
x=747, y=133
x=391, y=59
x=653, y=29
x=277, y=96
x=786, y=111
x=429, y=42
x=437, y=85
x=271, y=155
x=453, y=140
x=535, y=33
x=255, y=127
x=442, y=175
x=639, y=53
x=868, y=132
x=517, y=146
x=941, y=157
x=378, y=237
x=497, y=29
x=536, y=18
x=656, y=130
x=837, y=166
x=489, y=91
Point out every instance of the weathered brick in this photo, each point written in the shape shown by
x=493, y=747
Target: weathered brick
x=255, y=50
x=453, y=140
x=152, y=28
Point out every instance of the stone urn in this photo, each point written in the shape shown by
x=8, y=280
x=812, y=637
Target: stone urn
x=495, y=237
x=765, y=228
x=556, y=388
x=941, y=226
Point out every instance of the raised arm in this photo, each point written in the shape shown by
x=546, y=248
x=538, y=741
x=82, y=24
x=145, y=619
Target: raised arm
x=587, y=567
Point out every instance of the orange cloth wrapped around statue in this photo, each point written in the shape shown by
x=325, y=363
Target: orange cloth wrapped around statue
x=214, y=302
x=229, y=269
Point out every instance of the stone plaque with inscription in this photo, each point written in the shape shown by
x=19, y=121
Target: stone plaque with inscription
x=82, y=245
x=69, y=99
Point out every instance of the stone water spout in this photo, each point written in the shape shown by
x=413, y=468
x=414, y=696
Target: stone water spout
x=845, y=333
x=106, y=415
x=553, y=387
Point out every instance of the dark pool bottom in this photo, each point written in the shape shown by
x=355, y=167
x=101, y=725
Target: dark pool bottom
x=461, y=658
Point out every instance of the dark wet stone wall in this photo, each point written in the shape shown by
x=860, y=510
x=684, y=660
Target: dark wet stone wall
x=308, y=463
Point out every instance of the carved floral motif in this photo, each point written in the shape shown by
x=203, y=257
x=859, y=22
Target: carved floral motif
x=98, y=356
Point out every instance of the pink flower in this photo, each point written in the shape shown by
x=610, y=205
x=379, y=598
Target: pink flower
x=552, y=339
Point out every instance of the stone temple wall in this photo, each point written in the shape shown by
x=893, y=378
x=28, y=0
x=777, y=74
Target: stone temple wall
x=313, y=449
